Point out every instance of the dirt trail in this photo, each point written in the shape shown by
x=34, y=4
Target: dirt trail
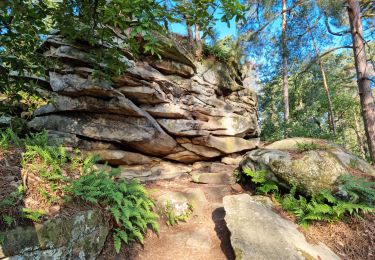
x=203, y=236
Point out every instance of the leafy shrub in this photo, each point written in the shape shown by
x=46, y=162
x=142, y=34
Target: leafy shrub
x=226, y=50
x=128, y=202
x=10, y=138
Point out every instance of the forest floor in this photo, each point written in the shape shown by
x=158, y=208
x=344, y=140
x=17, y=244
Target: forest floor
x=204, y=235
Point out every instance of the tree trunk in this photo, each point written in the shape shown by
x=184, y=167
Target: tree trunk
x=285, y=64
x=189, y=30
x=360, y=138
x=325, y=85
x=198, y=41
x=362, y=69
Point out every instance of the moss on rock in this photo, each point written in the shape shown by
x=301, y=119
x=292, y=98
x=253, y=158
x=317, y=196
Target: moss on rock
x=80, y=237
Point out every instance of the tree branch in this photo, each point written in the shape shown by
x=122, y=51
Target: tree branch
x=270, y=21
x=335, y=49
x=342, y=33
x=324, y=54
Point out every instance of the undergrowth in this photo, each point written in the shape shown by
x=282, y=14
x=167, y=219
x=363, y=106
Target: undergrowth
x=67, y=175
x=128, y=203
x=184, y=211
x=355, y=195
x=304, y=147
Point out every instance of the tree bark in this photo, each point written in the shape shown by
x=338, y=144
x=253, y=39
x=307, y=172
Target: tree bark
x=198, y=41
x=360, y=138
x=325, y=85
x=189, y=30
x=285, y=63
x=362, y=69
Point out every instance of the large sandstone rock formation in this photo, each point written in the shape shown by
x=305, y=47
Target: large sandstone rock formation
x=312, y=170
x=174, y=109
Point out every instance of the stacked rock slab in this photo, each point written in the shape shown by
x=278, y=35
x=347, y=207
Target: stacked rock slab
x=172, y=111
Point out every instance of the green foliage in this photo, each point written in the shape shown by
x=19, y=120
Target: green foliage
x=23, y=25
x=264, y=185
x=224, y=50
x=172, y=218
x=355, y=195
x=74, y=176
x=7, y=206
x=8, y=220
x=304, y=147
x=321, y=207
x=357, y=189
x=47, y=161
x=33, y=215
x=9, y=137
x=128, y=203
x=38, y=139
x=228, y=51
x=51, y=162
x=309, y=106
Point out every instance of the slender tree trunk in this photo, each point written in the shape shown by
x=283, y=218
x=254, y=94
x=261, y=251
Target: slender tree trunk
x=360, y=138
x=198, y=41
x=189, y=30
x=325, y=85
x=362, y=69
x=190, y=33
x=285, y=64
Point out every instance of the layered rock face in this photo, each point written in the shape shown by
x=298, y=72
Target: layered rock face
x=160, y=114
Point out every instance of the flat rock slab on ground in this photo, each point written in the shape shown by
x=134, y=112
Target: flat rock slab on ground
x=211, y=177
x=259, y=233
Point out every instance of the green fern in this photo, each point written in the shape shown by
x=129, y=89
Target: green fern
x=9, y=137
x=37, y=139
x=128, y=202
x=359, y=196
x=33, y=215
x=8, y=220
x=47, y=161
x=357, y=189
x=322, y=207
x=265, y=186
